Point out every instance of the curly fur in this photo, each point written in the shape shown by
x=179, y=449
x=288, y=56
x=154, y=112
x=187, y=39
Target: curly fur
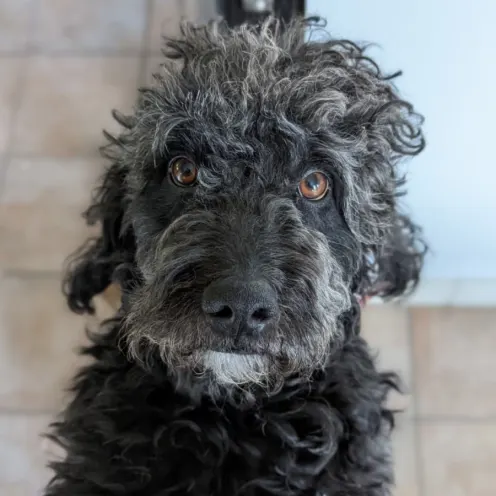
x=166, y=407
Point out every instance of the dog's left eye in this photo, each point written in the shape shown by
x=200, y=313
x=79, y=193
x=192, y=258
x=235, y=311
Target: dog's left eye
x=314, y=186
x=183, y=171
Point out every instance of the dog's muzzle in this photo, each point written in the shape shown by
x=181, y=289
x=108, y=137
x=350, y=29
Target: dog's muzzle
x=245, y=291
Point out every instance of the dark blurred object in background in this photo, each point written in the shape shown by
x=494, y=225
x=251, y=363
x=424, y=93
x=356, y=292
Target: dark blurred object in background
x=239, y=11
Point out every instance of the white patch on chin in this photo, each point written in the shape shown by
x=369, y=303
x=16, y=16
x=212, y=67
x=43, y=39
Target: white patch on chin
x=236, y=369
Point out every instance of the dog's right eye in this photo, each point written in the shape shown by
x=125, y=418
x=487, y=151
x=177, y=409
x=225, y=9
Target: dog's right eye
x=183, y=171
x=314, y=186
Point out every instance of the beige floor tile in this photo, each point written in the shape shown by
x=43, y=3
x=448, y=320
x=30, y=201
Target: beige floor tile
x=455, y=364
x=91, y=25
x=46, y=180
x=22, y=471
x=405, y=460
x=459, y=459
x=68, y=101
x=10, y=71
x=165, y=18
x=40, y=211
x=15, y=18
x=200, y=12
x=386, y=329
x=39, y=337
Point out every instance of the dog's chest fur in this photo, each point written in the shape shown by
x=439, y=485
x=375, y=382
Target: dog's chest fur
x=137, y=435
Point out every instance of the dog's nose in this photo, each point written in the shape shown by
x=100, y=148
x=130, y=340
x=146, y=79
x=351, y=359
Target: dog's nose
x=236, y=306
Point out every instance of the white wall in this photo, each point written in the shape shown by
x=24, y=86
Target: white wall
x=447, y=50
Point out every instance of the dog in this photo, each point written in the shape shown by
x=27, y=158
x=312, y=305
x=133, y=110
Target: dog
x=250, y=206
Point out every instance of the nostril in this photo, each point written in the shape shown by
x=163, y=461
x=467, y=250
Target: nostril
x=260, y=315
x=225, y=313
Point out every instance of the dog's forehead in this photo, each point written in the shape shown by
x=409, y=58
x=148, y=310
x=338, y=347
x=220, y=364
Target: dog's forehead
x=246, y=99
x=248, y=139
x=255, y=129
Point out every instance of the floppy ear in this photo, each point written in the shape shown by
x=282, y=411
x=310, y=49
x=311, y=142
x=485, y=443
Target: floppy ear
x=401, y=259
x=92, y=267
x=393, y=269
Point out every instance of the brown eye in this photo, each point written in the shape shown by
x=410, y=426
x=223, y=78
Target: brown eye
x=314, y=186
x=183, y=171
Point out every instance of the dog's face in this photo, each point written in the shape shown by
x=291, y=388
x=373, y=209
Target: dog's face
x=260, y=176
x=242, y=244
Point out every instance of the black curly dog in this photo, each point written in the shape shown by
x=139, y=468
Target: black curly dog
x=251, y=204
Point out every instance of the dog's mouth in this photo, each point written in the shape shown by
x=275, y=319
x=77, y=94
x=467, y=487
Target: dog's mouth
x=240, y=345
x=238, y=349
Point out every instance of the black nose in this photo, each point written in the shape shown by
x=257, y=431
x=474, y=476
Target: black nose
x=233, y=306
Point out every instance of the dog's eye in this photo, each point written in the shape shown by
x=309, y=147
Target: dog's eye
x=314, y=186
x=183, y=171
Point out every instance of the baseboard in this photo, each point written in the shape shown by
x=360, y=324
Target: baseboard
x=452, y=292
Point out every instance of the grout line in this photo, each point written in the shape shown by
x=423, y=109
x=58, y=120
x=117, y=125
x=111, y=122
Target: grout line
x=454, y=419
x=103, y=52
x=4, y=161
x=26, y=412
x=91, y=156
x=31, y=274
x=419, y=469
x=50, y=156
x=17, y=98
x=34, y=23
x=149, y=51
x=144, y=44
x=14, y=54
x=16, y=105
x=61, y=157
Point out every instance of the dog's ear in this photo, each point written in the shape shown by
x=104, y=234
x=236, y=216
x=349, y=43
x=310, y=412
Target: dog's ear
x=92, y=267
x=393, y=269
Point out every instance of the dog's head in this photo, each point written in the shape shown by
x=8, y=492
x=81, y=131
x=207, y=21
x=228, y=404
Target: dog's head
x=255, y=191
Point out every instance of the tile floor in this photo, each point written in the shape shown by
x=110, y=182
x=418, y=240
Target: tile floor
x=63, y=65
